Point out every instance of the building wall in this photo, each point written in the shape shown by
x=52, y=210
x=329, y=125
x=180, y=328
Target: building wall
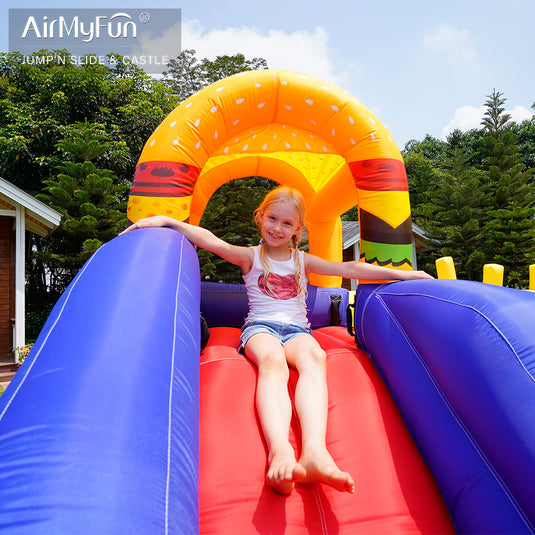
x=347, y=255
x=7, y=290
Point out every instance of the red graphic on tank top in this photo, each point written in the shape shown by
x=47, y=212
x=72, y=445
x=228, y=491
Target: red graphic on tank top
x=280, y=287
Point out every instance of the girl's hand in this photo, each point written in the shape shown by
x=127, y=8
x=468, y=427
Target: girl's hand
x=154, y=221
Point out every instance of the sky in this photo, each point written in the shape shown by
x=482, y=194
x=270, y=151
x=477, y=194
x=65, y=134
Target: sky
x=421, y=67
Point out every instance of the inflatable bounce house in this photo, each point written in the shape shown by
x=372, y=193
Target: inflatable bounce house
x=118, y=423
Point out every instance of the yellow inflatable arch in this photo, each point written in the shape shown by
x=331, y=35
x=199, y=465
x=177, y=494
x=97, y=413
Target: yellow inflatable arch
x=296, y=130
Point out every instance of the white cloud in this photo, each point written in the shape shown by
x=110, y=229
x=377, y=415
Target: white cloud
x=453, y=45
x=301, y=51
x=520, y=113
x=464, y=119
x=160, y=47
x=468, y=117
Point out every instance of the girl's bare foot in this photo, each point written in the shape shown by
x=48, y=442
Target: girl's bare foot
x=284, y=471
x=321, y=468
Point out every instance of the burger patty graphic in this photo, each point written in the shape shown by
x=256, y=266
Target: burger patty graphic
x=278, y=286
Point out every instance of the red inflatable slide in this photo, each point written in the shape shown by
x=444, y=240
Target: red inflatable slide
x=366, y=435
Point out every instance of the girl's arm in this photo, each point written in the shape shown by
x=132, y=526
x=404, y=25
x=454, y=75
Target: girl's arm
x=358, y=270
x=240, y=256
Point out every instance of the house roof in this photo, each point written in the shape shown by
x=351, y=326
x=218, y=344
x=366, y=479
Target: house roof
x=40, y=218
x=351, y=235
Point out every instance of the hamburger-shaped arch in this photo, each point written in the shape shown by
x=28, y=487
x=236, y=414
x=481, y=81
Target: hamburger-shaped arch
x=296, y=130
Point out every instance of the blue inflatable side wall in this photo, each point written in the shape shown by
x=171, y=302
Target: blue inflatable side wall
x=459, y=359
x=99, y=428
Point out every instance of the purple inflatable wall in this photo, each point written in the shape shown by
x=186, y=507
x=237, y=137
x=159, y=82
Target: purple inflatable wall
x=99, y=428
x=459, y=359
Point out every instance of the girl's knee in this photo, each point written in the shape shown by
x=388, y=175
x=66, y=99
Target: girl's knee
x=319, y=356
x=317, y=353
x=273, y=362
x=315, y=359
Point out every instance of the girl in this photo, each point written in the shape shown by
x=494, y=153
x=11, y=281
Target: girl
x=277, y=334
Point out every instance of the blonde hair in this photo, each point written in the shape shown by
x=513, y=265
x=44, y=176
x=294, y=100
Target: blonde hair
x=295, y=199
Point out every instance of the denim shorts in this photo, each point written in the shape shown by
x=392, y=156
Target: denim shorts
x=284, y=332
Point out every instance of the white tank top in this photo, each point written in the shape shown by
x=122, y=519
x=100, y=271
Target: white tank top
x=279, y=301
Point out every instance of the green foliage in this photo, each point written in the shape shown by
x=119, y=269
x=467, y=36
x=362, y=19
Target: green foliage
x=73, y=134
x=421, y=177
x=510, y=228
x=40, y=102
x=473, y=194
x=90, y=200
x=21, y=353
x=430, y=148
x=452, y=213
x=526, y=141
x=64, y=133
x=187, y=75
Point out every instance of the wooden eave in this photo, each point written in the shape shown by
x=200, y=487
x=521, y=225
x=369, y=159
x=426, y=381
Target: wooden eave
x=39, y=218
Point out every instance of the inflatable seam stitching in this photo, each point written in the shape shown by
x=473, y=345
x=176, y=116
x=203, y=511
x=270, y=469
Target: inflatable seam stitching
x=169, y=425
x=53, y=326
x=223, y=359
x=479, y=313
x=361, y=323
x=447, y=404
x=321, y=510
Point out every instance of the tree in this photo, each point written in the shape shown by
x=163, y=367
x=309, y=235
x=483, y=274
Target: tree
x=422, y=176
x=93, y=208
x=454, y=211
x=448, y=181
x=74, y=133
x=510, y=227
x=40, y=107
x=526, y=141
x=187, y=75
x=431, y=148
x=39, y=101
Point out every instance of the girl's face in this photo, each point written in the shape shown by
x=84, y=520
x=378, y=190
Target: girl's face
x=280, y=221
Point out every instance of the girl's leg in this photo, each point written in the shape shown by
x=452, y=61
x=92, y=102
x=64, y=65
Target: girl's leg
x=274, y=410
x=311, y=401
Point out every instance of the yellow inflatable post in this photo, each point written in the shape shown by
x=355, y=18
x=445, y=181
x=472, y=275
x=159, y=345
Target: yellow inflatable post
x=493, y=274
x=296, y=130
x=445, y=268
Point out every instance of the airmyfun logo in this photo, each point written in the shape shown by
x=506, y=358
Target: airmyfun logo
x=117, y=26
x=147, y=38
